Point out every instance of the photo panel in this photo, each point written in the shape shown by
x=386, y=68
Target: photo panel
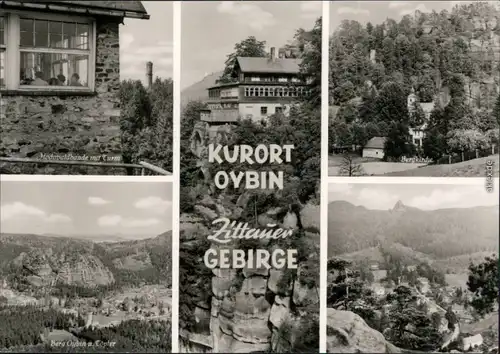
x=414, y=88
x=86, y=88
x=250, y=177
x=85, y=265
x=412, y=265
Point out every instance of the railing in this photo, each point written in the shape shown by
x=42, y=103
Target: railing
x=467, y=155
x=143, y=166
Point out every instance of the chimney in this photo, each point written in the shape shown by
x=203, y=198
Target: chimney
x=273, y=53
x=149, y=73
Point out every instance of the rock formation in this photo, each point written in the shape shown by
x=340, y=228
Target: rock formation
x=349, y=333
x=246, y=307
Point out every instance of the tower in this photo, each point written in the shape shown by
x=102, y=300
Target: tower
x=411, y=100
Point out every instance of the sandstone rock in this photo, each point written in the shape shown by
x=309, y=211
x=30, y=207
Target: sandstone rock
x=263, y=272
x=274, y=279
x=280, y=311
x=290, y=221
x=349, y=333
x=205, y=212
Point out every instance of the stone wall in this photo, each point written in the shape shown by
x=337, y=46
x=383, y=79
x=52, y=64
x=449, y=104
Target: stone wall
x=246, y=307
x=33, y=125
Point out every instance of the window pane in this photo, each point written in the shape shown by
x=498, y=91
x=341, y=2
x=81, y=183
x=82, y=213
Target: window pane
x=27, y=28
x=2, y=33
x=2, y=67
x=44, y=69
x=69, y=34
x=41, y=33
x=56, y=34
x=82, y=32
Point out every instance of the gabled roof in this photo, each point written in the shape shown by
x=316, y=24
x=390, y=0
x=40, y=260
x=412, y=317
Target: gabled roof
x=377, y=142
x=132, y=8
x=266, y=65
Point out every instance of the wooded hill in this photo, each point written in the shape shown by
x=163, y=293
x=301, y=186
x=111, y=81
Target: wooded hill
x=450, y=58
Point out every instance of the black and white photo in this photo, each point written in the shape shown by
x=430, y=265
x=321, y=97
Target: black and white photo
x=414, y=88
x=86, y=88
x=412, y=267
x=85, y=266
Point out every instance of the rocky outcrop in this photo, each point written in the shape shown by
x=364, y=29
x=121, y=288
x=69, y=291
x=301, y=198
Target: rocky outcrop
x=349, y=333
x=247, y=306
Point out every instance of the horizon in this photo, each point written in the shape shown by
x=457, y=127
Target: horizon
x=421, y=196
x=123, y=237
x=91, y=209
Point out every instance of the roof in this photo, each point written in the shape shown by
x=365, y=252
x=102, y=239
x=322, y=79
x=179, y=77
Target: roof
x=266, y=65
x=132, y=9
x=377, y=142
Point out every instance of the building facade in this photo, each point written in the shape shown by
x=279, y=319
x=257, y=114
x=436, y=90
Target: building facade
x=375, y=148
x=60, y=75
x=260, y=88
x=417, y=133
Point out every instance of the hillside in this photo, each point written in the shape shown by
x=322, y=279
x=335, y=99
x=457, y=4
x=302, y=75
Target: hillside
x=198, y=91
x=444, y=234
x=30, y=261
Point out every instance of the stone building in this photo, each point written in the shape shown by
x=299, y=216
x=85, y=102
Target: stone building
x=59, y=76
x=261, y=87
x=375, y=147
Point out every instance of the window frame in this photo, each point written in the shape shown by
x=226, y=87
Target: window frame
x=3, y=48
x=13, y=50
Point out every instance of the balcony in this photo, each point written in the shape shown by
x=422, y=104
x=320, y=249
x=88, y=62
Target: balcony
x=220, y=116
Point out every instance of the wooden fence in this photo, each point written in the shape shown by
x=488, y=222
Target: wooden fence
x=142, y=166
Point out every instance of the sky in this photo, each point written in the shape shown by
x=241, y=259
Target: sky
x=134, y=210
x=148, y=40
x=210, y=29
x=422, y=196
x=377, y=12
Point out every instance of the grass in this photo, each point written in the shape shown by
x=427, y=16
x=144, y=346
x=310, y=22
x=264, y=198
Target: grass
x=471, y=168
x=371, y=166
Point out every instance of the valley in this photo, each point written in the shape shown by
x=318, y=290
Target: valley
x=80, y=295
x=411, y=280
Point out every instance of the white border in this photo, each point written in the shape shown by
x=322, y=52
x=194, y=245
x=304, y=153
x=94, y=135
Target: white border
x=84, y=178
x=324, y=175
x=470, y=181
x=177, y=6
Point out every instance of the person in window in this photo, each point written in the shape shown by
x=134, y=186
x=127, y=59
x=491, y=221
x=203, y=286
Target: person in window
x=39, y=81
x=62, y=79
x=53, y=82
x=75, y=80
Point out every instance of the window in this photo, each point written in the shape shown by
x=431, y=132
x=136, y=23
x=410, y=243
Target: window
x=279, y=109
x=263, y=110
x=282, y=79
x=46, y=52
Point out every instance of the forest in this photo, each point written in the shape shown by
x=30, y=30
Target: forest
x=24, y=328
x=450, y=59
x=146, y=123
x=301, y=175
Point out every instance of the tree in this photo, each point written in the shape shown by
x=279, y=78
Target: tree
x=349, y=167
x=483, y=283
x=310, y=66
x=250, y=47
x=434, y=144
x=391, y=103
x=496, y=110
x=466, y=140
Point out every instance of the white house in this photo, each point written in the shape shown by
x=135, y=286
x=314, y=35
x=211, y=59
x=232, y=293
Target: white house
x=418, y=133
x=375, y=147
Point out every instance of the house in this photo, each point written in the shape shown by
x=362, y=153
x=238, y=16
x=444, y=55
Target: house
x=417, y=133
x=260, y=87
x=375, y=147
x=60, y=75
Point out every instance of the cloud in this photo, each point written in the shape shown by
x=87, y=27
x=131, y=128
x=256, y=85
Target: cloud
x=117, y=220
x=456, y=197
x=97, y=201
x=337, y=190
x=419, y=7
x=248, y=14
x=311, y=9
x=18, y=210
x=373, y=198
x=126, y=40
x=344, y=10
x=154, y=204
x=398, y=4
x=133, y=60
